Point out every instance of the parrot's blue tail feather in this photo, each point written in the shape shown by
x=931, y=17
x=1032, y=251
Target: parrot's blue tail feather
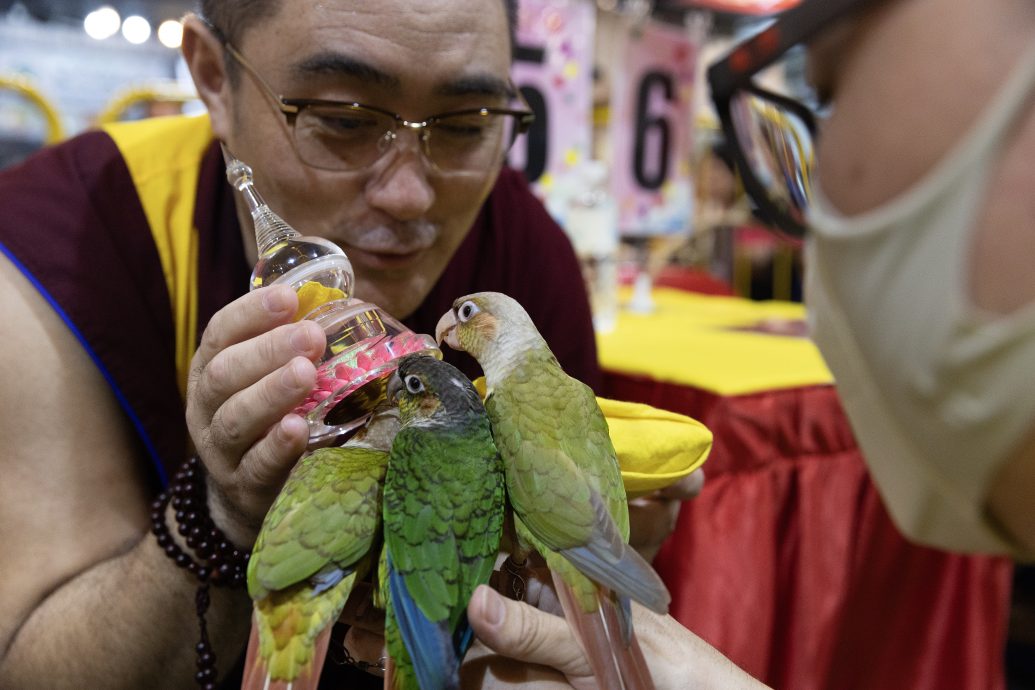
x=429, y=643
x=609, y=561
x=625, y=617
x=463, y=637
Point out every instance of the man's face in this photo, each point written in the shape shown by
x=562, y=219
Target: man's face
x=400, y=221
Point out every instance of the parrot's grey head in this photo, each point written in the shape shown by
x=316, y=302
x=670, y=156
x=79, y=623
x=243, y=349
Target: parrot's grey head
x=428, y=390
x=479, y=323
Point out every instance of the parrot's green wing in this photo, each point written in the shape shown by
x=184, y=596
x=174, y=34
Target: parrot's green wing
x=564, y=482
x=555, y=442
x=327, y=513
x=458, y=532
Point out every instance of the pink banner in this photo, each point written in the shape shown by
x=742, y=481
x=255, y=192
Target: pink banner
x=651, y=129
x=741, y=6
x=553, y=68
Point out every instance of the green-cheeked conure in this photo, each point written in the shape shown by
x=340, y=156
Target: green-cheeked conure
x=564, y=483
x=317, y=540
x=443, y=518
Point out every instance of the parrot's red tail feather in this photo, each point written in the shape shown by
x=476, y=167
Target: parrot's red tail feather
x=628, y=655
x=254, y=672
x=604, y=650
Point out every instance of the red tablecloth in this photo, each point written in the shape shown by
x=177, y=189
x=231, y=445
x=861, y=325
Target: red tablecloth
x=789, y=564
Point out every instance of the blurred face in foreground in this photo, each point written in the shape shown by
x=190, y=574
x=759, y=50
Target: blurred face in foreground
x=914, y=195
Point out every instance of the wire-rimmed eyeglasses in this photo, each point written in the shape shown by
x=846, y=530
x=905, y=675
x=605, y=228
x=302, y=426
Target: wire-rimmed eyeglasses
x=344, y=136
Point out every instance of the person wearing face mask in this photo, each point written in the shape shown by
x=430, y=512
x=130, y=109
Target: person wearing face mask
x=916, y=224
x=123, y=277
x=914, y=197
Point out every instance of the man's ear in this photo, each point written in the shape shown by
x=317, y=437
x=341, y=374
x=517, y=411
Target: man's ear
x=203, y=54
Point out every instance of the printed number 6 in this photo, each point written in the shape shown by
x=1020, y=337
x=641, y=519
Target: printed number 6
x=647, y=124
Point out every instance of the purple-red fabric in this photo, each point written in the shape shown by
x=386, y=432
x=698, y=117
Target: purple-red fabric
x=692, y=280
x=72, y=220
x=789, y=564
x=74, y=224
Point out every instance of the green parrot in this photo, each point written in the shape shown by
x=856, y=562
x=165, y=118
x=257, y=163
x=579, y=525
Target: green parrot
x=563, y=482
x=444, y=503
x=317, y=540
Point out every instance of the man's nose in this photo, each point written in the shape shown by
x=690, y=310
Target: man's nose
x=399, y=185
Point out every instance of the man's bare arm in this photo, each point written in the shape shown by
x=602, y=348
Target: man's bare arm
x=88, y=599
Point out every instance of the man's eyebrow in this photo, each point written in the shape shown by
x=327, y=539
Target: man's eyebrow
x=477, y=85
x=345, y=65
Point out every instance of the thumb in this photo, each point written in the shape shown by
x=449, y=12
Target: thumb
x=516, y=630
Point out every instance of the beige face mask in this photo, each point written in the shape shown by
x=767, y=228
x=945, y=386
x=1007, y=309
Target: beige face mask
x=939, y=393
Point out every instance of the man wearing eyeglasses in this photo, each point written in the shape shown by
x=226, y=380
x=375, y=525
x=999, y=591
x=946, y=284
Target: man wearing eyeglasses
x=381, y=126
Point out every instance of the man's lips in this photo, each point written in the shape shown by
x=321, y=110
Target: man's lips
x=390, y=246
x=384, y=260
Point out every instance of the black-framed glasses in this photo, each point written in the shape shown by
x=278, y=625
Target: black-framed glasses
x=771, y=135
x=343, y=136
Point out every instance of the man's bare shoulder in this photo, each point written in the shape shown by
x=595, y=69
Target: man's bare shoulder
x=72, y=495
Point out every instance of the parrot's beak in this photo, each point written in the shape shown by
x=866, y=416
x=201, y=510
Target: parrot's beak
x=394, y=387
x=445, y=330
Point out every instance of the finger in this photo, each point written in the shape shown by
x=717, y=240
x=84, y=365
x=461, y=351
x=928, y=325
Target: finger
x=540, y=592
x=686, y=488
x=247, y=415
x=651, y=521
x=527, y=580
x=246, y=375
x=521, y=632
x=244, y=363
x=245, y=318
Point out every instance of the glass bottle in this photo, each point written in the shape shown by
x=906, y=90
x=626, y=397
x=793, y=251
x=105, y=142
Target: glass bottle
x=363, y=341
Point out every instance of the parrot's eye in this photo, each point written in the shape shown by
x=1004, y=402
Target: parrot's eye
x=414, y=384
x=467, y=310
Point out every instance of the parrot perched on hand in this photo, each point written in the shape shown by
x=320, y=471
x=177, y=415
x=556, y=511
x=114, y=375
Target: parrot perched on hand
x=317, y=540
x=563, y=482
x=444, y=503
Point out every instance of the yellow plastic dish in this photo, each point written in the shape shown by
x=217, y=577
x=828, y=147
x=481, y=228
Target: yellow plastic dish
x=655, y=447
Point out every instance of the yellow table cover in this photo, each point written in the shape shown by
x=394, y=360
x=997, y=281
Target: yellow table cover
x=724, y=345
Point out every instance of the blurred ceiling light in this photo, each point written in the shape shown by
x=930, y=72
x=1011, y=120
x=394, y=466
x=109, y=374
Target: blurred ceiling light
x=102, y=23
x=170, y=33
x=136, y=29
